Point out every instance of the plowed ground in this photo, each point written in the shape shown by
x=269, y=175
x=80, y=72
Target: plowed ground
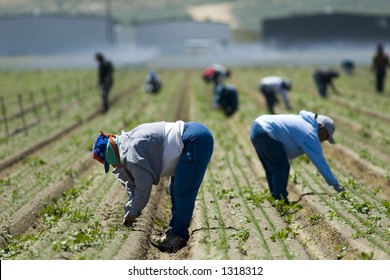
x=57, y=203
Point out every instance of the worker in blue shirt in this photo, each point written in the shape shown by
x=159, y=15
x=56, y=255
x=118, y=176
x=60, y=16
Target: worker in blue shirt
x=280, y=138
x=152, y=83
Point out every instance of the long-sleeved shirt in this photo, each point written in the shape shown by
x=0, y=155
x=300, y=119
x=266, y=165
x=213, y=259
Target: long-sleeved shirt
x=147, y=153
x=325, y=76
x=380, y=62
x=299, y=135
x=274, y=83
x=215, y=73
x=105, y=74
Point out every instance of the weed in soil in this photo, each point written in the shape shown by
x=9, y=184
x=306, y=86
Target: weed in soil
x=367, y=256
x=18, y=245
x=281, y=234
x=241, y=236
x=341, y=250
x=81, y=239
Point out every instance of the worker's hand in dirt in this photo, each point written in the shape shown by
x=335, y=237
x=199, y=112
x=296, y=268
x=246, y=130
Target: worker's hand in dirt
x=128, y=220
x=338, y=188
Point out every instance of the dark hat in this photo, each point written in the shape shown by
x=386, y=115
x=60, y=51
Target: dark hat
x=99, y=150
x=99, y=56
x=286, y=84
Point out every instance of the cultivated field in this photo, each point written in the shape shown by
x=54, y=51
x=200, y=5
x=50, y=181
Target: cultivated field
x=57, y=203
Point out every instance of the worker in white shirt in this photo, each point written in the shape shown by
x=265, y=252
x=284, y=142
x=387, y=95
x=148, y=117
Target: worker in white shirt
x=273, y=86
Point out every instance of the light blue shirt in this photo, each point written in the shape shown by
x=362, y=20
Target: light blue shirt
x=299, y=135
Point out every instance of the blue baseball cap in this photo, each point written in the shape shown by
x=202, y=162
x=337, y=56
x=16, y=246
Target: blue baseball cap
x=99, y=149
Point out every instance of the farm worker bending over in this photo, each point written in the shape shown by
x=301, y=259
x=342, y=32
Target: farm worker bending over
x=270, y=87
x=215, y=74
x=279, y=138
x=348, y=66
x=324, y=78
x=150, y=151
x=105, y=78
x=152, y=83
x=226, y=99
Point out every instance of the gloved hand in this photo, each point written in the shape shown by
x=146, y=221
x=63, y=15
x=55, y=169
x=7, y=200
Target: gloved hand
x=128, y=220
x=338, y=188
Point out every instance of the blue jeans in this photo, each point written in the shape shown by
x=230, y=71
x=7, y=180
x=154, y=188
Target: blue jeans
x=184, y=186
x=105, y=90
x=274, y=160
x=270, y=98
x=322, y=86
x=380, y=76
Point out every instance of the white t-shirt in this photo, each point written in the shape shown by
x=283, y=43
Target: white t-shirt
x=173, y=147
x=273, y=82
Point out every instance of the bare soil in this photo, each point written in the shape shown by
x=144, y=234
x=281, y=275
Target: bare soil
x=228, y=222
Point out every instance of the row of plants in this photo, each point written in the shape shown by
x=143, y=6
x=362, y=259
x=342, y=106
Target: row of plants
x=235, y=216
x=84, y=221
x=24, y=81
x=63, y=161
x=248, y=226
x=250, y=109
x=151, y=109
x=65, y=113
x=364, y=132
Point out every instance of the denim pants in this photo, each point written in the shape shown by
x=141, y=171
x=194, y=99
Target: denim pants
x=270, y=98
x=380, y=76
x=321, y=86
x=105, y=90
x=184, y=186
x=274, y=160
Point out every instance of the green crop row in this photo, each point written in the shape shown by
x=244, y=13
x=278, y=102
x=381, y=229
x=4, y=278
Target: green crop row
x=63, y=113
x=235, y=216
x=252, y=105
x=70, y=225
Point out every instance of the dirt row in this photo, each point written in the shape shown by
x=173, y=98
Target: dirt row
x=325, y=239
x=27, y=220
x=234, y=217
x=25, y=217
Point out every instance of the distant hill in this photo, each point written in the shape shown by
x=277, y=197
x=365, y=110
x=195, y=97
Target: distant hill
x=246, y=14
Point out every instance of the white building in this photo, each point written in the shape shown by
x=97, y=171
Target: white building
x=42, y=34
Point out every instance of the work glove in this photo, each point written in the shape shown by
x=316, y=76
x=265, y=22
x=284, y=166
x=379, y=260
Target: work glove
x=338, y=188
x=128, y=220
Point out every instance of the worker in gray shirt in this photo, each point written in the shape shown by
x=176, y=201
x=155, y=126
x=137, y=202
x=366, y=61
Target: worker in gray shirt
x=150, y=151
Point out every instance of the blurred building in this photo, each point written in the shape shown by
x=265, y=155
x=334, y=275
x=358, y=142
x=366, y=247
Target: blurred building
x=181, y=35
x=326, y=28
x=54, y=33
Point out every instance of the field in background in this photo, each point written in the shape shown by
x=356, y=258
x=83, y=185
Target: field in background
x=57, y=203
